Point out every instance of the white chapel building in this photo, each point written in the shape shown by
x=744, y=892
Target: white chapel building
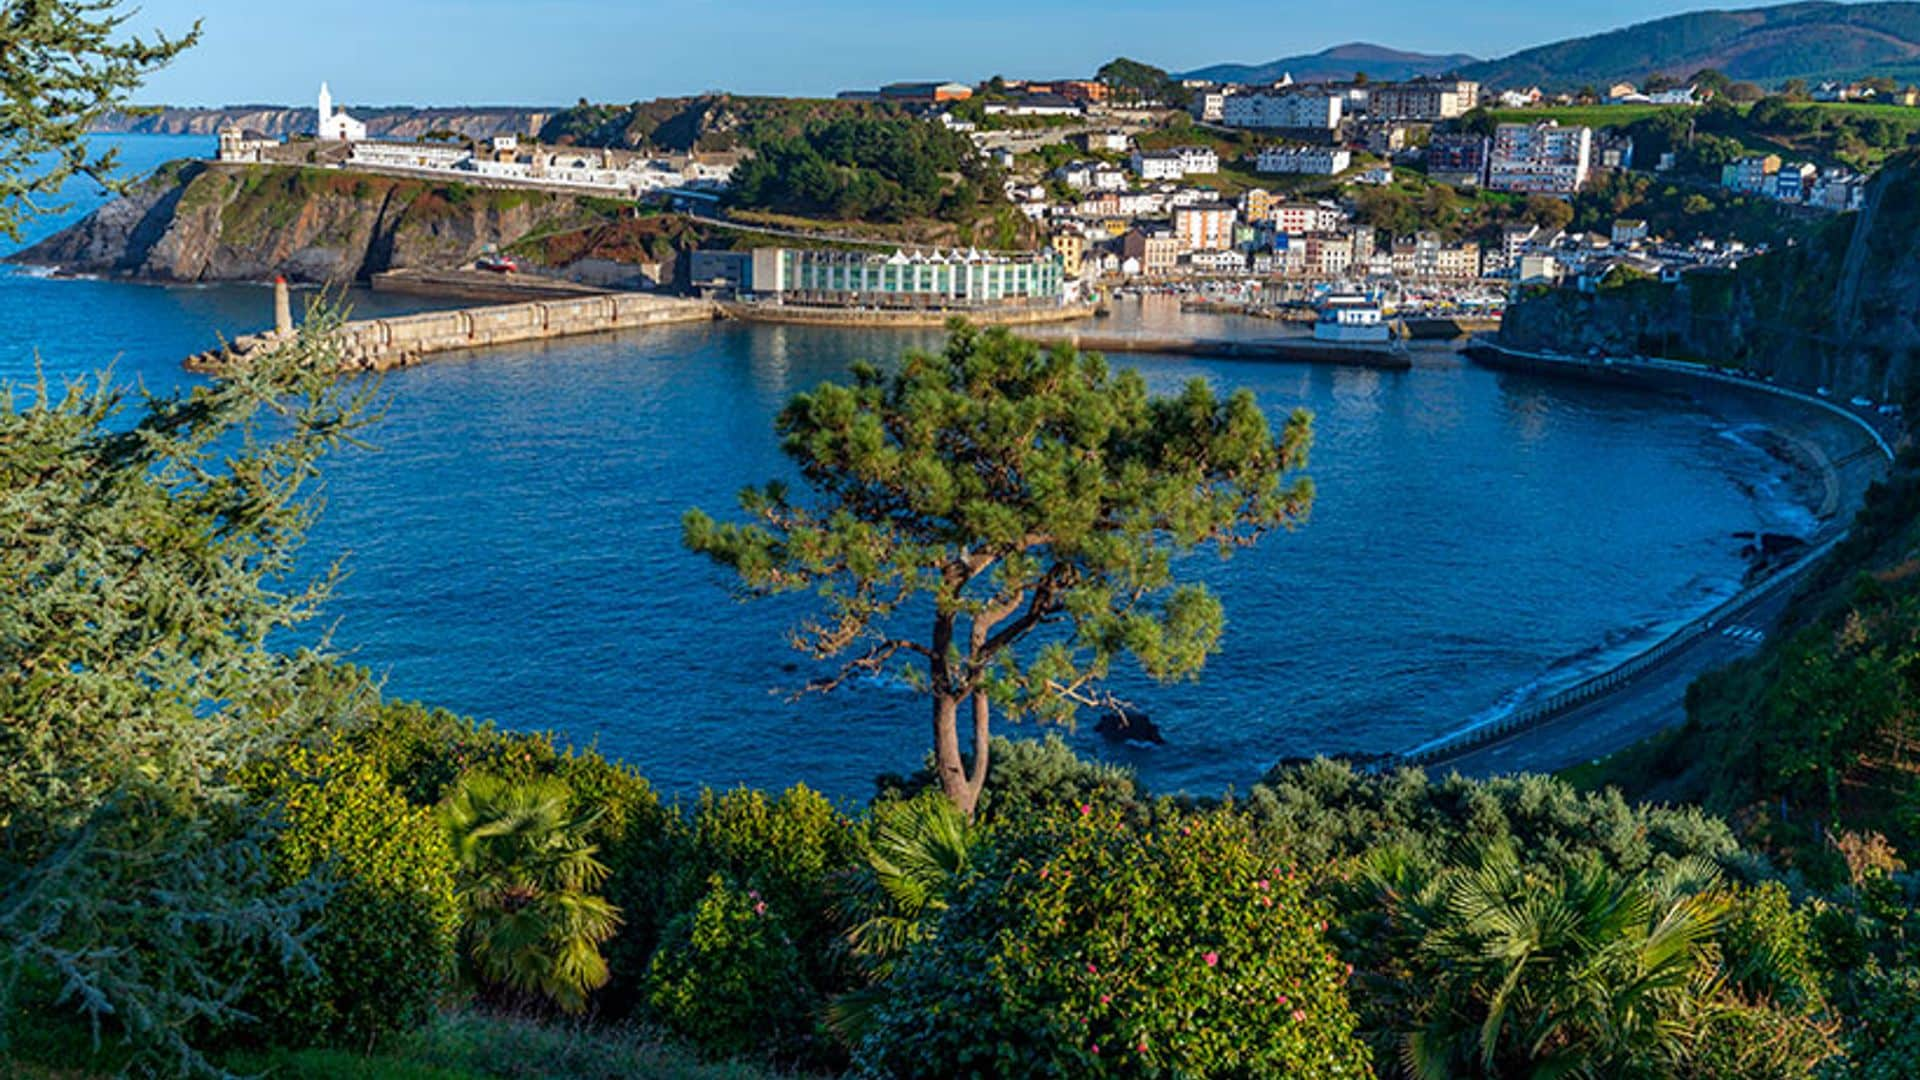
x=337, y=126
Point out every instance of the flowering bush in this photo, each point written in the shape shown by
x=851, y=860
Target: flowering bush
x=726, y=975
x=1085, y=947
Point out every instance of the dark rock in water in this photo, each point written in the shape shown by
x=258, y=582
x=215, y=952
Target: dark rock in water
x=1764, y=547
x=1780, y=543
x=1118, y=726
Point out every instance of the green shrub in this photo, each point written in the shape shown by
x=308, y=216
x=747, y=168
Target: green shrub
x=1325, y=810
x=1883, y=1041
x=1767, y=943
x=751, y=903
x=383, y=945
x=1032, y=776
x=728, y=977
x=791, y=850
x=1085, y=947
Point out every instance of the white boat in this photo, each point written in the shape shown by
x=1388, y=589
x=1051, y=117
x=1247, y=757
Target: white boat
x=1352, y=319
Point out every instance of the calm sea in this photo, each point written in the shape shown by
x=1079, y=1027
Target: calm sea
x=513, y=541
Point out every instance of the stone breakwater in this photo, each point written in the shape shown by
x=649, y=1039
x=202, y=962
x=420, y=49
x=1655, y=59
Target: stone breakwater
x=381, y=344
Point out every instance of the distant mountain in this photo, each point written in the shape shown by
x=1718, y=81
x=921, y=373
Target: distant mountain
x=1339, y=62
x=1812, y=41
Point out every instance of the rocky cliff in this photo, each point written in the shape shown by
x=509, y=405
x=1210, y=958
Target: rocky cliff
x=478, y=122
x=196, y=221
x=1841, y=310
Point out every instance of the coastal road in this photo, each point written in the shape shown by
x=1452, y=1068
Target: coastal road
x=1655, y=700
x=1638, y=710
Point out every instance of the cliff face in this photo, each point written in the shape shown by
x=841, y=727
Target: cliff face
x=282, y=121
x=194, y=221
x=1841, y=310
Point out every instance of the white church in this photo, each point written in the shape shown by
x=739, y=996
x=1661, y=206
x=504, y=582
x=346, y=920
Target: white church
x=337, y=126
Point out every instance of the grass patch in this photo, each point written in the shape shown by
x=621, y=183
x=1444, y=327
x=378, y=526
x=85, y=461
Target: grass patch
x=457, y=1046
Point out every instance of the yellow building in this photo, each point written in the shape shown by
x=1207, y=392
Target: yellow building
x=1072, y=249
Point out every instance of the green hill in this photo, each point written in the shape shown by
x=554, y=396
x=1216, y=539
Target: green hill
x=1767, y=45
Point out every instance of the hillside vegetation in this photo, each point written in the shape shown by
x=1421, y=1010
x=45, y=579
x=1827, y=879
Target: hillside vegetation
x=1766, y=45
x=1338, y=62
x=193, y=221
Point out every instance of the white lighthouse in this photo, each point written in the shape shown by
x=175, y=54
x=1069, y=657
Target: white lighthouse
x=337, y=126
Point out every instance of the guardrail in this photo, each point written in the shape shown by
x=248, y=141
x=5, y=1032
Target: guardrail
x=1460, y=742
x=1457, y=743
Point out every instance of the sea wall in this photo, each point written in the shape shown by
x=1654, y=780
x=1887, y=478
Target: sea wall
x=381, y=344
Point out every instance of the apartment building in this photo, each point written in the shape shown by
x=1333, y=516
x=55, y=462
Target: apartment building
x=1174, y=164
x=1204, y=226
x=1423, y=100
x=1459, y=160
x=1303, y=110
x=1304, y=160
x=1544, y=158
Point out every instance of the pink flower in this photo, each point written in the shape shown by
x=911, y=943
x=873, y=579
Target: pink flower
x=1141, y=1048
x=1043, y=872
x=1349, y=971
x=1282, y=999
x=1104, y=998
x=1096, y=1048
x=1084, y=811
x=760, y=908
x=1261, y=884
x=1299, y=1015
x=1211, y=958
x=1091, y=970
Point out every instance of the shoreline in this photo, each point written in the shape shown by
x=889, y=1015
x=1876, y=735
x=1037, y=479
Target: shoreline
x=1494, y=741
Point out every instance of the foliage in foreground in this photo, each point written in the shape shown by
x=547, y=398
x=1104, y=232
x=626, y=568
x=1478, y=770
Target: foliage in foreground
x=134, y=868
x=67, y=63
x=1083, y=947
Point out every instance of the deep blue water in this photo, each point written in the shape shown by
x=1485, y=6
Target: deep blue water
x=513, y=542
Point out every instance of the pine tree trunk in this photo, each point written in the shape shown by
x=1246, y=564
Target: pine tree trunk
x=946, y=755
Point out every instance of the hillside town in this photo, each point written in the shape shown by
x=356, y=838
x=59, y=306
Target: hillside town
x=1271, y=192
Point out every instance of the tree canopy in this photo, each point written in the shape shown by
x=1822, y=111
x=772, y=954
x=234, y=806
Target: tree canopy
x=63, y=65
x=994, y=489
x=890, y=169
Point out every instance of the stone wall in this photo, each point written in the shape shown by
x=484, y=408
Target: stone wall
x=380, y=344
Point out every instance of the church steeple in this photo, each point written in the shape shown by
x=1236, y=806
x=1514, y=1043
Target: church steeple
x=326, y=105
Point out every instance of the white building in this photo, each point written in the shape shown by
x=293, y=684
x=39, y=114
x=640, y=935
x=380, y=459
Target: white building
x=1219, y=262
x=1091, y=176
x=1302, y=110
x=1174, y=164
x=1209, y=105
x=1300, y=219
x=1310, y=160
x=244, y=147
x=1545, y=158
x=336, y=126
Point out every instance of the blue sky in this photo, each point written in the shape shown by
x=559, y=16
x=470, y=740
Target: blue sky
x=547, y=51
